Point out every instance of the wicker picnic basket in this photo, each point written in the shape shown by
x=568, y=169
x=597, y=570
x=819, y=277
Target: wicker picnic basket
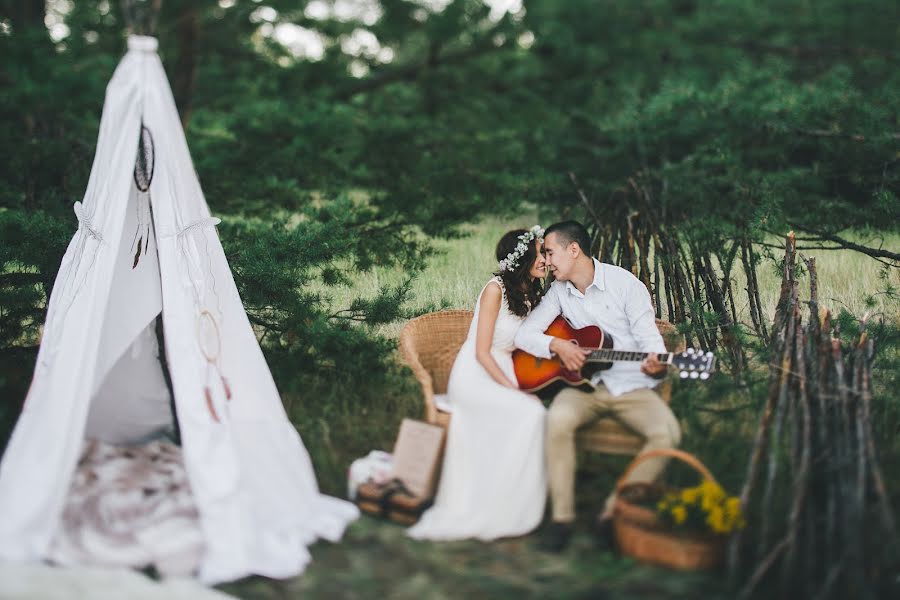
x=641, y=534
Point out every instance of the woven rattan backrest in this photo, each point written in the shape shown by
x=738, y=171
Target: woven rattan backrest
x=434, y=340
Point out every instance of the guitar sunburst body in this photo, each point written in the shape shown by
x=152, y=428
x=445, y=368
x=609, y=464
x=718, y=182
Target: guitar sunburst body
x=534, y=373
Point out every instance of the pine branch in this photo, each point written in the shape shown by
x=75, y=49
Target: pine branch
x=19, y=279
x=412, y=71
x=824, y=236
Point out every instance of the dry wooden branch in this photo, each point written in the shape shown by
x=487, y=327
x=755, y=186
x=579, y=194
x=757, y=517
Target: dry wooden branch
x=801, y=477
x=584, y=199
x=761, y=570
x=844, y=243
x=784, y=380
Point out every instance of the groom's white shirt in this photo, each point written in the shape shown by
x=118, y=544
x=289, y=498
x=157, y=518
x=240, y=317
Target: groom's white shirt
x=618, y=303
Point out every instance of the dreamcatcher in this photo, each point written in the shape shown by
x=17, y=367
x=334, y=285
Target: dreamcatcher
x=143, y=175
x=210, y=342
x=193, y=244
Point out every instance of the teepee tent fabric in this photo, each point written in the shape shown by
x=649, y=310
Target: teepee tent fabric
x=250, y=475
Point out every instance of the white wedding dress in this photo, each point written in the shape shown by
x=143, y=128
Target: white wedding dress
x=493, y=482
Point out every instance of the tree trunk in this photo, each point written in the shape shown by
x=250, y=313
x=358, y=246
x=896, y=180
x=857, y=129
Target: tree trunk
x=183, y=79
x=27, y=14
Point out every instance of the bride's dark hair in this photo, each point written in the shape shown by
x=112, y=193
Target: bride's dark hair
x=522, y=293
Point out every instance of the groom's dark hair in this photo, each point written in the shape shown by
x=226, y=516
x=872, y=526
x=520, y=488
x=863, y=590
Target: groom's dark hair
x=571, y=231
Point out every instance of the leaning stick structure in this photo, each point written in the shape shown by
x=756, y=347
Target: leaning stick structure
x=821, y=522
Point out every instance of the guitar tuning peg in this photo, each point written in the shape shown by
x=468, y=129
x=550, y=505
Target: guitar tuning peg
x=704, y=375
x=694, y=375
x=683, y=374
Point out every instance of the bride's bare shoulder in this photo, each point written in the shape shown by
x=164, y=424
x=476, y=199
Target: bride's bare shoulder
x=493, y=288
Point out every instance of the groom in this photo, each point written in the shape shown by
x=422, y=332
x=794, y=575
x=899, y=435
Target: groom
x=588, y=292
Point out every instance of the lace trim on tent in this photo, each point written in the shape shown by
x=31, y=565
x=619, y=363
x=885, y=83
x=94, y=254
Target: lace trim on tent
x=193, y=262
x=86, y=222
x=70, y=285
x=194, y=225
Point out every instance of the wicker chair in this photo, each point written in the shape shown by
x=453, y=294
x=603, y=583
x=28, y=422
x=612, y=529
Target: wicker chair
x=429, y=344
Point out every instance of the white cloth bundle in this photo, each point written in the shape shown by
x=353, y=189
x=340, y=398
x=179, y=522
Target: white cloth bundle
x=377, y=466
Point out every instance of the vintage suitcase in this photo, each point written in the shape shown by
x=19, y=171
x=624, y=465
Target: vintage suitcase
x=372, y=498
x=391, y=500
x=405, y=509
x=417, y=462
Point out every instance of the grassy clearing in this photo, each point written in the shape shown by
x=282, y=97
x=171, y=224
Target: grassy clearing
x=455, y=275
x=718, y=418
x=847, y=280
x=377, y=560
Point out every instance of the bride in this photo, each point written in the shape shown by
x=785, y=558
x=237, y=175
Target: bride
x=493, y=482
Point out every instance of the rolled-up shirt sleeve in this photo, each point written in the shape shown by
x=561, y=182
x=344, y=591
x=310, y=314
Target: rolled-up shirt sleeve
x=642, y=318
x=531, y=337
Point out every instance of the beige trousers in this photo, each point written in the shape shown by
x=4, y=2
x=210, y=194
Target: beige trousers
x=642, y=410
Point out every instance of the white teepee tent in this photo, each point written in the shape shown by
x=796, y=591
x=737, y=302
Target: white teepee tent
x=98, y=376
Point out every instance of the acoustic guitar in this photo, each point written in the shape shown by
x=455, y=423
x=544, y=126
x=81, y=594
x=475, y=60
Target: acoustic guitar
x=534, y=373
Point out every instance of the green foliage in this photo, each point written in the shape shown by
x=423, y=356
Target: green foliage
x=740, y=118
x=29, y=257
x=740, y=115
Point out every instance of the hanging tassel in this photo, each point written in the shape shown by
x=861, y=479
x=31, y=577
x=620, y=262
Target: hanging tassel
x=137, y=255
x=209, y=404
x=226, y=386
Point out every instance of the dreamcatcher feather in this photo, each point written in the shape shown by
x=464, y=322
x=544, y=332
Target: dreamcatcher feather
x=143, y=175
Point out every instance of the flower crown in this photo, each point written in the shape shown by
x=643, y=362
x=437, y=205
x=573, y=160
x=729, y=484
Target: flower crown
x=512, y=259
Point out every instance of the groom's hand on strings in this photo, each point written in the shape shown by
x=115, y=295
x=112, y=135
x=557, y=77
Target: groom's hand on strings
x=571, y=355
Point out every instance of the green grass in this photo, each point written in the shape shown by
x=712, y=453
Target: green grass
x=847, y=280
x=454, y=276
x=376, y=560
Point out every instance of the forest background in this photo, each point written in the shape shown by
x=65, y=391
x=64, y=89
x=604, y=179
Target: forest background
x=365, y=155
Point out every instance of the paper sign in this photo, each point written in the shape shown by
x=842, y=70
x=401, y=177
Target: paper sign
x=417, y=456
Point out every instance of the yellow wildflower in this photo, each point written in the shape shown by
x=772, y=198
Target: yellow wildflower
x=690, y=495
x=713, y=491
x=733, y=506
x=716, y=520
x=706, y=503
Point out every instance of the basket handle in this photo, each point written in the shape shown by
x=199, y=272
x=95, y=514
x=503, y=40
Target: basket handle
x=681, y=455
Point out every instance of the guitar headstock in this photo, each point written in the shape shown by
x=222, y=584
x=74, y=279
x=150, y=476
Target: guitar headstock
x=694, y=364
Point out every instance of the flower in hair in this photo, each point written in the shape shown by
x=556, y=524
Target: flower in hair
x=512, y=259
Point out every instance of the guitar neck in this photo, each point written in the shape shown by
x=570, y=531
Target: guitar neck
x=607, y=355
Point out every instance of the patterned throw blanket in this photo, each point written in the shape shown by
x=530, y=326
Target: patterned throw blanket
x=130, y=506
